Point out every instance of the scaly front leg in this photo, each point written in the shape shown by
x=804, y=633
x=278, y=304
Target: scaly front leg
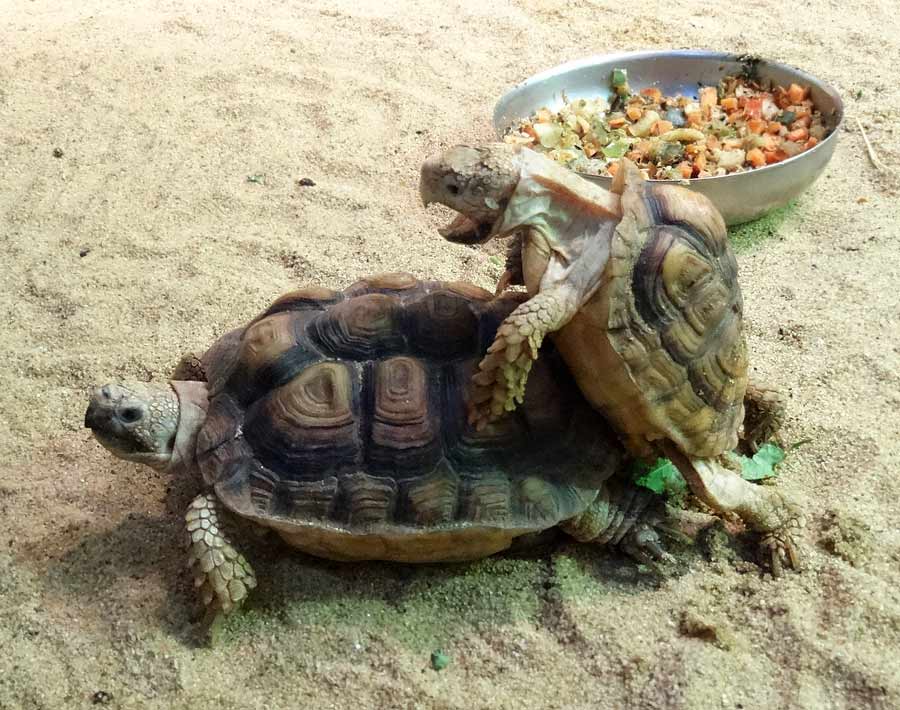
x=499, y=384
x=222, y=575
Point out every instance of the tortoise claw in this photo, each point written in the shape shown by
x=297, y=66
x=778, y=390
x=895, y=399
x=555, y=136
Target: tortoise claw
x=779, y=547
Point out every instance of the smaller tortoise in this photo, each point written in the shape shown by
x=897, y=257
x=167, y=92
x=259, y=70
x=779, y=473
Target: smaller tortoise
x=639, y=288
x=338, y=419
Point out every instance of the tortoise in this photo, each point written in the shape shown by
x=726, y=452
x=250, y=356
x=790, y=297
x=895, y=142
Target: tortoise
x=638, y=286
x=338, y=419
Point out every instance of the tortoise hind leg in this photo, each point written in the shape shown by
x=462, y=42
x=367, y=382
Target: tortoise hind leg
x=222, y=575
x=624, y=515
x=190, y=368
x=764, y=410
x=762, y=508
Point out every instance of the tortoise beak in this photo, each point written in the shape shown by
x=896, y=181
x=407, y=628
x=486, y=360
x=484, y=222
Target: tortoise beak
x=98, y=412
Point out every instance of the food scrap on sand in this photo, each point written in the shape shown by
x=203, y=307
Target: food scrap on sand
x=737, y=126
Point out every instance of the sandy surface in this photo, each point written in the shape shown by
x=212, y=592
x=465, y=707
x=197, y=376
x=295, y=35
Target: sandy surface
x=143, y=237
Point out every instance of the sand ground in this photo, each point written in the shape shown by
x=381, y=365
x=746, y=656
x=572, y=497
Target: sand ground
x=149, y=159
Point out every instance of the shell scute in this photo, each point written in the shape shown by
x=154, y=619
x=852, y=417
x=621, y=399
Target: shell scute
x=442, y=324
x=404, y=434
x=360, y=328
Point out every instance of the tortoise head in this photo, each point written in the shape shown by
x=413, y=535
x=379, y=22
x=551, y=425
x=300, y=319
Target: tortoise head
x=476, y=182
x=143, y=422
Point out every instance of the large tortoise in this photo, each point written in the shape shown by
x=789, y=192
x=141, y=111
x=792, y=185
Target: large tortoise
x=638, y=286
x=338, y=419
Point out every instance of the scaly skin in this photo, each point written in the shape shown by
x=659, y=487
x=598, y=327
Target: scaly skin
x=764, y=411
x=764, y=509
x=623, y=515
x=190, y=368
x=499, y=384
x=222, y=575
x=503, y=189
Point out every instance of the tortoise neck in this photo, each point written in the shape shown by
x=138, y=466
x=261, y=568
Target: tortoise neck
x=193, y=401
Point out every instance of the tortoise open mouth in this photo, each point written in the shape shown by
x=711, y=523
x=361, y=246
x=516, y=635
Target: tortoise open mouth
x=465, y=230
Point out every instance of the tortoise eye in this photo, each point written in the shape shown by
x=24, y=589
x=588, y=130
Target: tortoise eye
x=129, y=415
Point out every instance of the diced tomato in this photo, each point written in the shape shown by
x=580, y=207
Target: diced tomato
x=773, y=127
x=686, y=169
x=753, y=107
x=811, y=143
x=775, y=156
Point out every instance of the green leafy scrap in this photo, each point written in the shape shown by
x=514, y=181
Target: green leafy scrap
x=439, y=660
x=663, y=477
x=763, y=463
x=660, y=477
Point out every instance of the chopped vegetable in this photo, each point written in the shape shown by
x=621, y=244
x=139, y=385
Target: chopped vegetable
x=736, y=126
x=756, y=158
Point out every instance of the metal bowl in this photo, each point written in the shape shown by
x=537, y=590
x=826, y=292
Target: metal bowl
x=740, y=197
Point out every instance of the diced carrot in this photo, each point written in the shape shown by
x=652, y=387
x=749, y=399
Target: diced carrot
x=773, y=127
x=800, y=134
x=700, y=163
x=756, y=158
x=756, y=125
x=803, y=122
x=616, y=122
x=661, y=127
x=775, y=156
x=686, y=169
x=709, y=97
x=693, y=149
x=781, y=98
x=693, y=118
x=796, y=93
x=729, y=104
x=529, y=129
x=652, y=93
x=634, y=113
x=811, y=143
x=734, y=117
x=612, y=168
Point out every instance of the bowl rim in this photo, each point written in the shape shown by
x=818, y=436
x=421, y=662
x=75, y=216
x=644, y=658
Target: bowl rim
x=706, y=54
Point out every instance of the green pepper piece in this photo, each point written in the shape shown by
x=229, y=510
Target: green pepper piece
x=615, y=150
x=787, y=117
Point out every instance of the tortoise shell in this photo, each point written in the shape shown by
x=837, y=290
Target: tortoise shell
x=339, y=419
x=671, y=308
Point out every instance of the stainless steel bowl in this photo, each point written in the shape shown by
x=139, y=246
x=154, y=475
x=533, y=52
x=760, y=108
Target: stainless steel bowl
x=740, y=197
